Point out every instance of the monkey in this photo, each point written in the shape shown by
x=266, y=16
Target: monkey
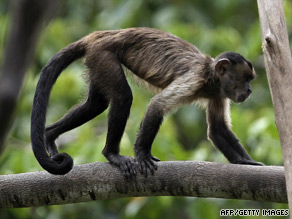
x=175, y=69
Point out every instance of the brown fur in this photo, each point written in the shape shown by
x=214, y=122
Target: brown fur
x=160, y=59
x=177, y=70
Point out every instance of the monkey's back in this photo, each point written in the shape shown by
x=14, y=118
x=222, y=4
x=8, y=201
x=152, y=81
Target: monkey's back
x=153, y=55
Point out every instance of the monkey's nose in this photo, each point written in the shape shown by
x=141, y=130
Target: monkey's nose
x=249, y=91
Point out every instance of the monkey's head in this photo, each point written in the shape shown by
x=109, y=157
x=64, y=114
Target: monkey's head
x=235, y=74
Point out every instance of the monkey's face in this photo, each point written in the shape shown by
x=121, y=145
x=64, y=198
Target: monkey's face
x=235, y=82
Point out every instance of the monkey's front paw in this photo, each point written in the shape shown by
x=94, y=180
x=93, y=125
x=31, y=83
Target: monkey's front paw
x=249, y=162
x=126, y=164
x=147, y=162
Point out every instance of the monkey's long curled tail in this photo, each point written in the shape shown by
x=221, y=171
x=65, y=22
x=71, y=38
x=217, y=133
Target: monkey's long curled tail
x=59, y=164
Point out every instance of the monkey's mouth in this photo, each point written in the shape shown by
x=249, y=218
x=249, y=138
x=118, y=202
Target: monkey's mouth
x=241, y=98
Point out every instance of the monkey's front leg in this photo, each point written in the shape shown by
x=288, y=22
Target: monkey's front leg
x=222, y=136
x=229, y=145
x=148, y=130
x=179, y=91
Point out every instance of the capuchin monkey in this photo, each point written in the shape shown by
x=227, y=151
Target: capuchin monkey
x=175, y=69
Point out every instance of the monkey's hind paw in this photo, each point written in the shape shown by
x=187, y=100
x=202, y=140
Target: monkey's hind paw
x=148, y=162
x=126, y=164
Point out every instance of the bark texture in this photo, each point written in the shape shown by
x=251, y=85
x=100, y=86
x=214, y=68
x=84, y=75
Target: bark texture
x=99, y=181
x=278, y=64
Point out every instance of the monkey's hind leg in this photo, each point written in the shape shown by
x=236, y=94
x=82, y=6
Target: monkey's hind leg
x=95, y=104
x=113, y=83
x=118, y=115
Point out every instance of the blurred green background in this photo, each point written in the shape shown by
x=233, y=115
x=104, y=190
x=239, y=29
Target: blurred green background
x=214, y=27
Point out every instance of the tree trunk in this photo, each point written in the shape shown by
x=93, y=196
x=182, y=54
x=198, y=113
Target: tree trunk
x=278, y=64
x=99, y=181
x=27, y=20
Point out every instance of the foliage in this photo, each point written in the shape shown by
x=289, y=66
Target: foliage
x=214, y=27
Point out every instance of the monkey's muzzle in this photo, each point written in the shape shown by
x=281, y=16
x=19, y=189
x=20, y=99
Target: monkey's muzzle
x=242, y=97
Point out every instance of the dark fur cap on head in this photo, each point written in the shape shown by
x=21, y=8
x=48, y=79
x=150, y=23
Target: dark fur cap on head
x=234, y=58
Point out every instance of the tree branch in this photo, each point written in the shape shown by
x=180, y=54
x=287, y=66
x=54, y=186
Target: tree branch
x=99, y=181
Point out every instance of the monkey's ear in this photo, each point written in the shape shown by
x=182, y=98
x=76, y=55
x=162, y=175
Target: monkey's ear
x=222, y=65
